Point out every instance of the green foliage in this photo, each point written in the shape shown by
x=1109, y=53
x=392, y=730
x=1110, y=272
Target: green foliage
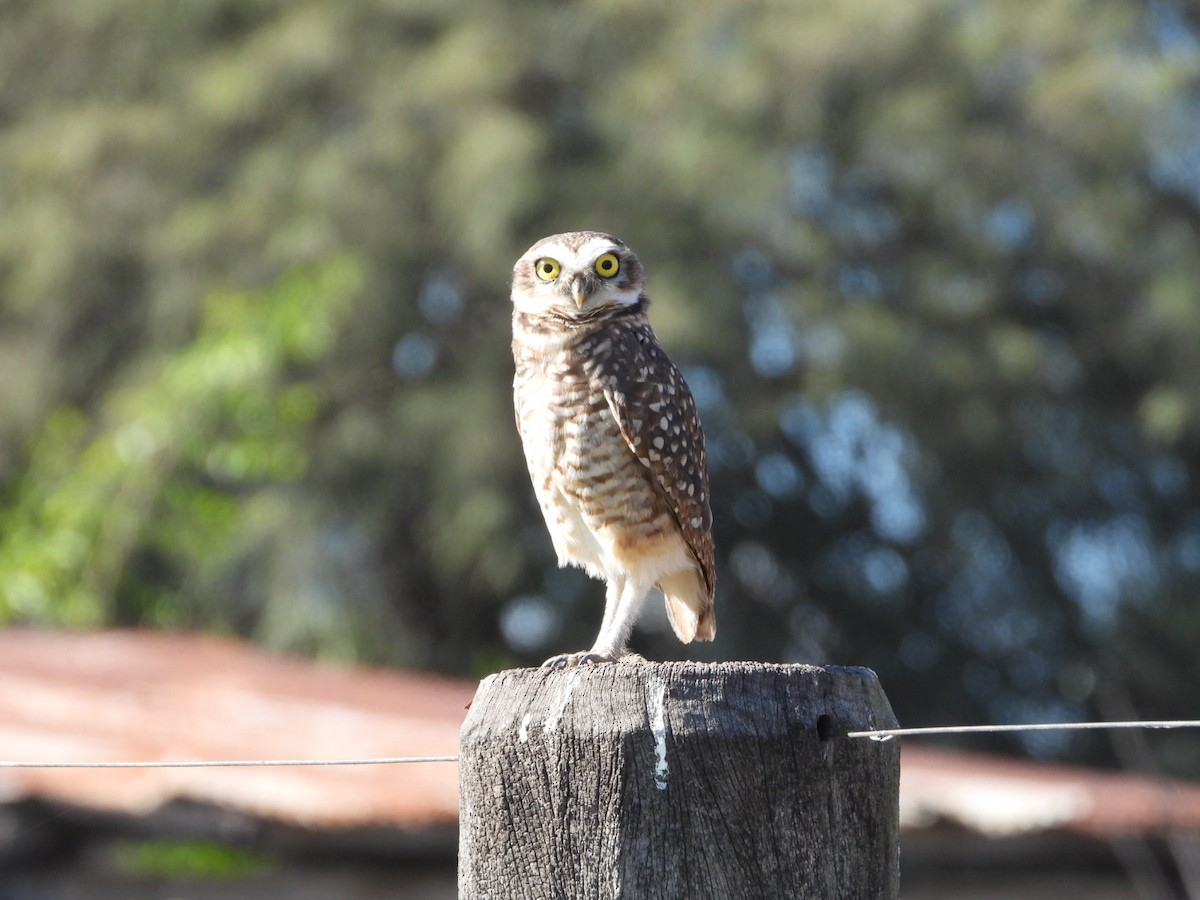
x=174, y=463
x=187, y=859
x=933, y=263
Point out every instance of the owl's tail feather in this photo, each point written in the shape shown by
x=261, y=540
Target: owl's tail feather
x=689, y=606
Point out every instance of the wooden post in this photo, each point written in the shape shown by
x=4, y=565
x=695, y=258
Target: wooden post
x=678, y=780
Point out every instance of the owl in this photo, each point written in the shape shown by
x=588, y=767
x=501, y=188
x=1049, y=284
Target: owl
x=611, y=437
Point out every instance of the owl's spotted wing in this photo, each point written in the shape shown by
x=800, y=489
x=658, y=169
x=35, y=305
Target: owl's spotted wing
x=657, y=416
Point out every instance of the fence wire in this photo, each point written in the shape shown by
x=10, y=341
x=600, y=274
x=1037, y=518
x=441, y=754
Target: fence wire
x=880, y=734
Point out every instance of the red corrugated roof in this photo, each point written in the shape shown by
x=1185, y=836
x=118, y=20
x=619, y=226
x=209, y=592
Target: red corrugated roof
x=157, y=696
x=129, y=695
x=999, y=796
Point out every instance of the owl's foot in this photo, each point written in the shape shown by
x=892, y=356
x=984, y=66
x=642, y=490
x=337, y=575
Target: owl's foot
x=582, y=658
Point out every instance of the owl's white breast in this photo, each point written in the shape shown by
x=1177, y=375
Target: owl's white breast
x=548, y=400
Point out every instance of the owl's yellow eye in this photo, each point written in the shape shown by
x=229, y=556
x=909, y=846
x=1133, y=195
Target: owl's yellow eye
x=607, y=265
x=547, y=269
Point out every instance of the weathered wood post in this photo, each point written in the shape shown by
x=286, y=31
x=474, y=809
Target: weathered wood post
x=678, y=780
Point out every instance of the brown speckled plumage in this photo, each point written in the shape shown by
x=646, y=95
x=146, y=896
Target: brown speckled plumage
x=612, y=438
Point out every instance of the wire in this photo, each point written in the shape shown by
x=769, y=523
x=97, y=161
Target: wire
x=226, y=763
x=885, y=734
x=881, y=734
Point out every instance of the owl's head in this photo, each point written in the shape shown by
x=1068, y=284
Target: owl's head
x=576, y=275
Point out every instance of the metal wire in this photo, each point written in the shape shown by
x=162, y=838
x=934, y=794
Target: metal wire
x=883, y=734
x=880, y=734
x=226, y=763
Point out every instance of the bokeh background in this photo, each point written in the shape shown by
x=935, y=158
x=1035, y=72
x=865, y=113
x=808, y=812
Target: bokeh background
x=932, y=268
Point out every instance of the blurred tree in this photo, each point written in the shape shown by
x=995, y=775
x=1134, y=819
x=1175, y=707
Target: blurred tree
x=142, y=513
x=933, y=263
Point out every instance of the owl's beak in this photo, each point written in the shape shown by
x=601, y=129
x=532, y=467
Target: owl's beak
x=579, y=290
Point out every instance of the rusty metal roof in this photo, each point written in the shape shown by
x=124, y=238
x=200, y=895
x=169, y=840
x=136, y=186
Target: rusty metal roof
x=1000, y=796
x=139, y=695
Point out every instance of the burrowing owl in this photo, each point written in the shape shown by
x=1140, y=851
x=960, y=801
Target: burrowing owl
x=611, y=437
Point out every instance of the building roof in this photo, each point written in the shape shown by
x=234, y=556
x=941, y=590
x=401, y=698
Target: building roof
x=999, y=796
x=139, y=695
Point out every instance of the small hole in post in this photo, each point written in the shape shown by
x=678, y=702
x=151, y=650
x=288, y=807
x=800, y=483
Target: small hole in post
x=825, y=727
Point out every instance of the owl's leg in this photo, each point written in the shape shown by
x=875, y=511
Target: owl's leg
x=612, y=601
x=620, y=612
x=614, y=628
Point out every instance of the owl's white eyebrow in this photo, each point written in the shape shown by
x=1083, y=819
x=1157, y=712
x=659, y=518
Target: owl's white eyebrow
x=555, y=251
x=595, y=247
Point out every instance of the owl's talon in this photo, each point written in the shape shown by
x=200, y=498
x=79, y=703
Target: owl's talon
x=572, y=660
